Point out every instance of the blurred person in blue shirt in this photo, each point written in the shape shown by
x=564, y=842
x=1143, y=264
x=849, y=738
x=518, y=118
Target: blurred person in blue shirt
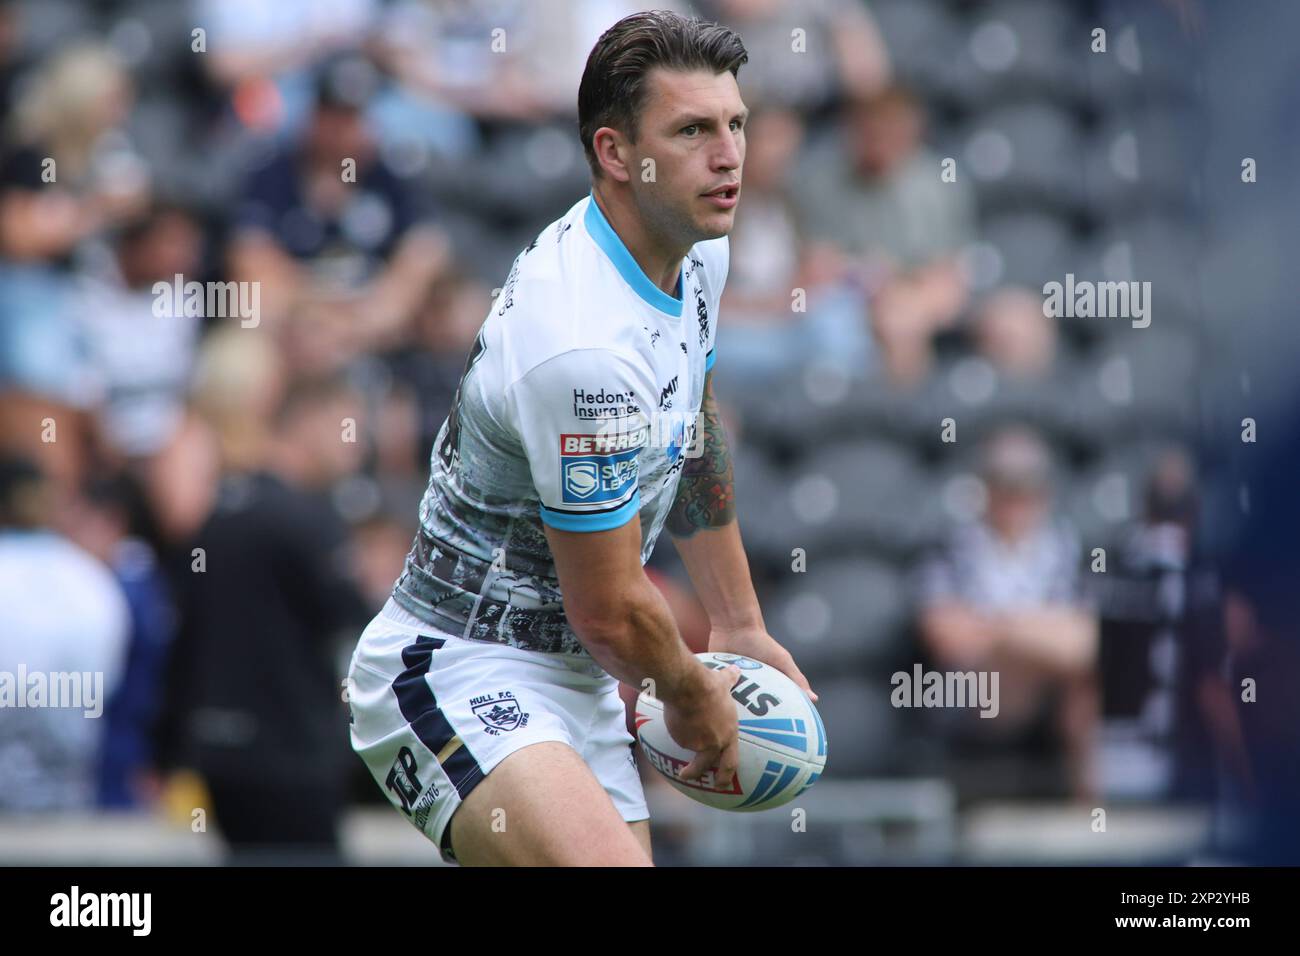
x=110, y=519
x=63, y=619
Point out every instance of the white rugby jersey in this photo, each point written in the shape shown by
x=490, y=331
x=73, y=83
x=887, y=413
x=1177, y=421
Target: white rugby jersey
x=577, y=408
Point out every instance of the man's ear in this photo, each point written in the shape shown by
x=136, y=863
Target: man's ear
x=609, y=144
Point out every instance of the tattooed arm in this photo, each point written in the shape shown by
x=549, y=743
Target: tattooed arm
x=705, y=498
x=704, y=529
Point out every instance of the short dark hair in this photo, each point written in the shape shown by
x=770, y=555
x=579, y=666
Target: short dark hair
x=310, y=392
x=612, y=91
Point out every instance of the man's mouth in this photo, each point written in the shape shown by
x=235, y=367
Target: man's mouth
x=723, y=196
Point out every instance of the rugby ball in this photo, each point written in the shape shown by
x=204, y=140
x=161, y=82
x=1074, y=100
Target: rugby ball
x=782, y=740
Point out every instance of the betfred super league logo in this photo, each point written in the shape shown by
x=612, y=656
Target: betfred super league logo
x=499, y=712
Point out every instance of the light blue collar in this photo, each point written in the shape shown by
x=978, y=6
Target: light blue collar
x=600, y=229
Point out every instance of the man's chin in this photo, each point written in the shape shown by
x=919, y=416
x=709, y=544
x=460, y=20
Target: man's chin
x=716, y=226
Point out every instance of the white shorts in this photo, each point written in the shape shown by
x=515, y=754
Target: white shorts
x=433, y=714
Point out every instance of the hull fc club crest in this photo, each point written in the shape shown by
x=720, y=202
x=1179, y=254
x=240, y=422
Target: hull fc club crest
x=499, y=712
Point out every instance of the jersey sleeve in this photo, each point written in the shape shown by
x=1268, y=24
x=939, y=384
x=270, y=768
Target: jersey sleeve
x=716, y=256
x=582, y=419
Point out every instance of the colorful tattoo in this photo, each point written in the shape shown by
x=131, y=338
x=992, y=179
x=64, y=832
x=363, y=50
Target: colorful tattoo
x=706, y=494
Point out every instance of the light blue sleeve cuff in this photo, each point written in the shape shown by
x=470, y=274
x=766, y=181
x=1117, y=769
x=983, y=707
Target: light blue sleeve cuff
x=598, y=521
x=708, y=360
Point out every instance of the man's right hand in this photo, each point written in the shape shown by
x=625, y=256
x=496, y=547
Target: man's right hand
x=706, y=723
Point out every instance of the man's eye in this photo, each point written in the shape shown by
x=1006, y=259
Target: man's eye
x=688, y=129
x=737, y=124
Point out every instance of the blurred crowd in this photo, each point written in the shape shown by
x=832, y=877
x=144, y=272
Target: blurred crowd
x=207, y=506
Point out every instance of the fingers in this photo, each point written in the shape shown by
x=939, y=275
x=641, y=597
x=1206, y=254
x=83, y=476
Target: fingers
x=700, y=763
x=725, y=759
x=724, y=762
x=791, y=670
x=802, y=681
x=728, y=764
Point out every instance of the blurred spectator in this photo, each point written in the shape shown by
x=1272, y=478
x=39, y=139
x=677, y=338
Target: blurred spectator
x=1011, y=334
x=249, y=41
x=1160, y=620
x=143, y=354
x=873, y=189
x=499, y=59
x=780, y=312
x=328, y=229
x=67, y=171
x=180, y=481
x=255, y=703
x=1015, y=369
x=1004, y=594
x=382, y=543
x=110, y=521
x=61, y=613
x=431, y=362
x=875, y=194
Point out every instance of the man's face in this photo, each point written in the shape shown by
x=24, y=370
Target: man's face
x=337, y=132
x=1016, y=510
x=692, y=127
x=883, y=136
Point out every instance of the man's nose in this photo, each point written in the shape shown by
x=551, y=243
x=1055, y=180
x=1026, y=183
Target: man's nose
x=728, y=155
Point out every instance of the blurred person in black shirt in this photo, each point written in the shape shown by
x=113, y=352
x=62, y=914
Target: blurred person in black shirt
x=255, y=688
x=329, y=229
x=1160, y=632
x=1005, y=594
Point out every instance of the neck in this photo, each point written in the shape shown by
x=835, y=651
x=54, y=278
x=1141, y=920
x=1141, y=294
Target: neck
x=659, y=258
x=290, y=465
x=1012, y=534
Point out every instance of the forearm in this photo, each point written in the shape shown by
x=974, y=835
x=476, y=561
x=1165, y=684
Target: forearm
x=955, y=634
x=704, y=527
x=706, y=490
x=1061, y=639
x=642, y=642
x=719, y=571
x=421, y=256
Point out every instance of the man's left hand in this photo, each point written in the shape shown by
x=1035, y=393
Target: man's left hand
x=761, y=646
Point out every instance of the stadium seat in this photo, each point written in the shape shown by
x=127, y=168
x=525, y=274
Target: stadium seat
x=1029, y=150
x=839, y=615
x=922, y=37
x=1010, y=47
x=860, y=725
x=1035, y=246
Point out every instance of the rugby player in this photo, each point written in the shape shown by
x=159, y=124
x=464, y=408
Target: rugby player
x=484, y=696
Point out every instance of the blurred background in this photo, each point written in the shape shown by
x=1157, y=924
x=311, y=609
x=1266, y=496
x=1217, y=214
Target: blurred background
x=929, y=472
